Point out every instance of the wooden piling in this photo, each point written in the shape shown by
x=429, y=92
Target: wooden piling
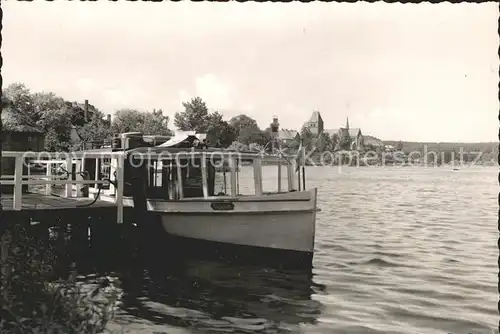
x=148, y=227
x=140, y=200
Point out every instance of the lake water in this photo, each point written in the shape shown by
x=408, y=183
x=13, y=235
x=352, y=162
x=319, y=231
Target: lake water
x=398, y=250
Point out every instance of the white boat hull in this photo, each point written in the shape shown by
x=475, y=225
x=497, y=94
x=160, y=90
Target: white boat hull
x=277, y=221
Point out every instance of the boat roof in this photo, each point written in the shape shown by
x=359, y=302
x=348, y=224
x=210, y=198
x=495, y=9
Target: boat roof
x=171, y=153
x=170, y=149
x=134, y=133
x=178, y=139
x=156, y=136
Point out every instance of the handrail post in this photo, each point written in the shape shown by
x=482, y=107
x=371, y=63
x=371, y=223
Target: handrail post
x=96, y=176
x=112, y=170
x=234, y=177
x=180, y=188
x=257, y=174
x=28, y=170
x=69, y=169
x=238, y=164
x=279, y=174
x=18, y=183
x=289, y=172
x=120, y=164
x=48, y=174
x=78, y=177
x=204, y=180
x=170, y=181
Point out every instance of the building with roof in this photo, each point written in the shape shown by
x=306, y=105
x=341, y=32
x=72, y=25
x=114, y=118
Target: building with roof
x=315, y=124
x=348, y=138
x=285, y=134
x=18, y=137
x=82, y=113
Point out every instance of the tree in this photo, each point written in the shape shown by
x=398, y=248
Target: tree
x=77, y=113
x=254, y=147
x=291, y=145
x=221, y=133
x=308, y=140
x=47, y=101
x=95, y=130
x=325, y=142
x=243, y=121
x=44, y=111
x=344, y=142
x=131, y=120
x=195, y=116
x=246, y=129
x=335, y=141
x=54, y=118
x=237, y=146
x=247, y=135
x=57, y=118
x=127, y=120
x=57, y=127
x=21, y=104
x=156, y=123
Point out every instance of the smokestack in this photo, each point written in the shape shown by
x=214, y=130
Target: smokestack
x=86, y=111
x=109, y=119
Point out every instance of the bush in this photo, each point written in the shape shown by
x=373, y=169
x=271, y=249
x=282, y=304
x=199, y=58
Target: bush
x=31, y=304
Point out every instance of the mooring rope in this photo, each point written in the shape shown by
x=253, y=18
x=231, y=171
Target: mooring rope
x=84, y=174
x=96, y=197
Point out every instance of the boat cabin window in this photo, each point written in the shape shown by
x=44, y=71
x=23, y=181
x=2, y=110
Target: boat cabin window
x=192, y=179
x=163, y=181
x=245, y=182
x=197, y=178
x=277, y=176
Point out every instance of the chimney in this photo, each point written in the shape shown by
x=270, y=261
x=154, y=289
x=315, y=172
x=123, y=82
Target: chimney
x=109, y=119
x=86, y=111
x=275, y=126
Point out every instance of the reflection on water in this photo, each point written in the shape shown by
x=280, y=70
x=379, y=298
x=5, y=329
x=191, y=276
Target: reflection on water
x=214, y=297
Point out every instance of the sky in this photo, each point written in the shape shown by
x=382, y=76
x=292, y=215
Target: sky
x=414, y=72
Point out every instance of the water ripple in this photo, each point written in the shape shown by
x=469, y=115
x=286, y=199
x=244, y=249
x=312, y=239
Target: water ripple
x=401, y=250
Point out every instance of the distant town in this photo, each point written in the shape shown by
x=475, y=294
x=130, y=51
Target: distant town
x=352, y=139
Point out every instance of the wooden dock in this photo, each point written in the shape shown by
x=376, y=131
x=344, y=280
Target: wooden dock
x=34, y=201
x=52, y=211
x=40, y=196
x=61, y=212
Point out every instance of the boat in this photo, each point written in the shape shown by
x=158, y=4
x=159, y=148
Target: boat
x=180, y=177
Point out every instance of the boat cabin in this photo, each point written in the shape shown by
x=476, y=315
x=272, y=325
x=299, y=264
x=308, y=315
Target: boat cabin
x=184, y=167
x=137, y=139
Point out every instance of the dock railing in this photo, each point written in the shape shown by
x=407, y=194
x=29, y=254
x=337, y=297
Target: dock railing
x=73, y=181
